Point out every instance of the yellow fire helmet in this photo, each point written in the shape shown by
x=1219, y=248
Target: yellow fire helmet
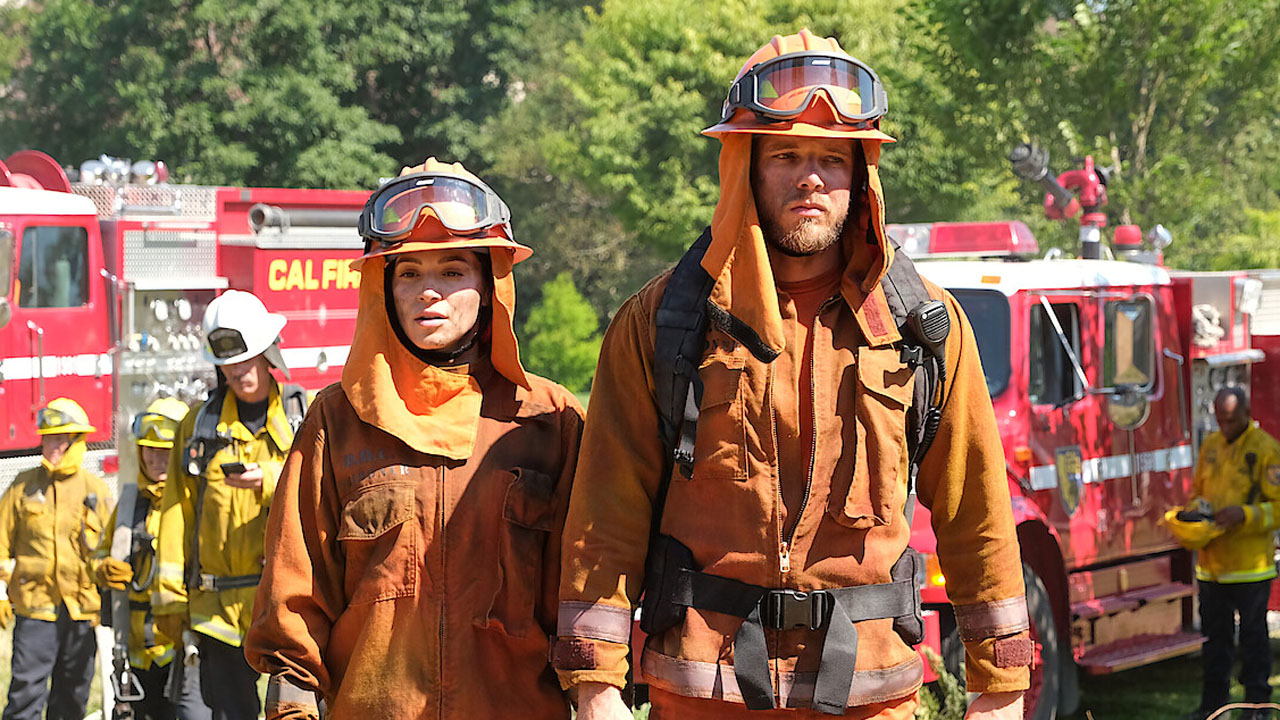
x=62, y=415
x=1192, y=525
x=158, y=424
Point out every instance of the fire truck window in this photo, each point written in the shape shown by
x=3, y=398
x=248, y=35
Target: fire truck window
x=988, y=313
x=1128, y=355
x=6, y=262
x=54, y=268
x=1053, y=378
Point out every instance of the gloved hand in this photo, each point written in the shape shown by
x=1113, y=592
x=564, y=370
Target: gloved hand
x=115, y=574
x=6, y=614
x=172, y=625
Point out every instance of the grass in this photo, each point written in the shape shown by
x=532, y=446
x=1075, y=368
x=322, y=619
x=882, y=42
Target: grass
x=1168, y=689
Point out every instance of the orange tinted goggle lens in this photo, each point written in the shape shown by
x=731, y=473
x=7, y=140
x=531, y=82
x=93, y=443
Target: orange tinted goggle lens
x=789, y=84
x=460, y=205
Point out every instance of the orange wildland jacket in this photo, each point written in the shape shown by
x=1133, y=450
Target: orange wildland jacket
x=851, y=529
x=406, y=585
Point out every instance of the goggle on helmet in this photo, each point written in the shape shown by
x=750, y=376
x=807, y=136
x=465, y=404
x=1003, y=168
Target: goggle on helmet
x=62, y=415
x=782, y=88
x=464, y=206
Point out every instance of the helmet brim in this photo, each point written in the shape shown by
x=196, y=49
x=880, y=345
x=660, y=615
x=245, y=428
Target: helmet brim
x=799, y=129
x=155, y=444
x=76, y=429
x=277, y=322
x=518, y=252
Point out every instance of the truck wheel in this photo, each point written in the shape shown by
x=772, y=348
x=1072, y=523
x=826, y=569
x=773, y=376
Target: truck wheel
x=1041, y=699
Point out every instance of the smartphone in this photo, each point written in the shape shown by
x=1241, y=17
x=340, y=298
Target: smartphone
x=233, y=468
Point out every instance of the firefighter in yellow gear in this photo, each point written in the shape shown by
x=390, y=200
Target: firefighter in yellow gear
x=151, y=652
x=226, y=458
x=1238, y=475
x=51, y=521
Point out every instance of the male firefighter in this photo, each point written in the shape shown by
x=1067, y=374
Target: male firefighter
x=1238, y=474
x=222, y=474
x=763, y=445
x=151, y=653
x=51, y=520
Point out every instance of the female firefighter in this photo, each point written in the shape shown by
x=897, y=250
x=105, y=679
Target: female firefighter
x=416, y=528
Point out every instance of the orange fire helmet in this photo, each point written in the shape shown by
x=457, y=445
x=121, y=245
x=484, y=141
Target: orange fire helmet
x=804, y=85
x=436, y=206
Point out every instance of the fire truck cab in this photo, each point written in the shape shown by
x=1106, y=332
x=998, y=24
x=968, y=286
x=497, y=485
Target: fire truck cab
x=104, y=282
x=1102, y=375
x=53, y=320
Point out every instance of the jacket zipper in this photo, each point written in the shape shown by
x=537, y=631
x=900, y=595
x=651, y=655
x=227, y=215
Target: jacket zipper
x=784, y=548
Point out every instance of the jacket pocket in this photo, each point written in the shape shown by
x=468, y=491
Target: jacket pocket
x=720, y=448
x=528, y=514
x=877, y=489
x=379, y=534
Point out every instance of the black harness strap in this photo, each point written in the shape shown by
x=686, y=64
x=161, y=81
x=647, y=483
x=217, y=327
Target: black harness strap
x=835, y=609
x=677, y=350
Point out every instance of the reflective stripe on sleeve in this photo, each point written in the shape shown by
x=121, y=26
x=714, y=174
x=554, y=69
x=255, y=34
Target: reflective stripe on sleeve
x=285, y=698
x=594, y=621
x=217, y=629
x=171, y=571
x=980, y=621
x=717, y=681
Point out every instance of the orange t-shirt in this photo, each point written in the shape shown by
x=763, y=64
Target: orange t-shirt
x=793, y=386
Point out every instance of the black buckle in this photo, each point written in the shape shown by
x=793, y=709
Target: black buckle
x=796, y=609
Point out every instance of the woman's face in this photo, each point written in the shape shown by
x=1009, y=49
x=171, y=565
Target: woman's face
x=438, y=295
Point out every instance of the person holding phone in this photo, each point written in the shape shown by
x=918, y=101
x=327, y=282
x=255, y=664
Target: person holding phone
x=415, y=535
x=226, y=457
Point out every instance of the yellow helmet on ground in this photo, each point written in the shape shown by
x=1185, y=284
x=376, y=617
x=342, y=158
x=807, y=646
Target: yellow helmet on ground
x=62, y=415
x=158, y=424
x=1192, y=525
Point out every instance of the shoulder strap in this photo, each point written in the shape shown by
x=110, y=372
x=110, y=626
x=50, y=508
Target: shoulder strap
x=924, y=325
x=294, y=399
x=204, y=440
x=122, y=533
x=677, y=350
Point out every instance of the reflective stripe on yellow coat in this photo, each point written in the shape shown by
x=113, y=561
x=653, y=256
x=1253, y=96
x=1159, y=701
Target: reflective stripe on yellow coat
x=232, y=524
x=1224, y=478
x=47, y=538
x=142, y=655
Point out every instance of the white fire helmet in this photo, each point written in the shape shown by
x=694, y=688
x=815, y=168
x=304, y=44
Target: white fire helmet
x=238, y=327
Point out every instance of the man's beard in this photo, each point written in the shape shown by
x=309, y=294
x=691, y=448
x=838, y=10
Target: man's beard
x=809, y=237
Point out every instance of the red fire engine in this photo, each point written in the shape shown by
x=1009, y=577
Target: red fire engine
x=103, y=284
x=1102, y=373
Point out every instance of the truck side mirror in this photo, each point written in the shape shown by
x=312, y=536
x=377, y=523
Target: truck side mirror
x=1129, y=361
x=1129, y=353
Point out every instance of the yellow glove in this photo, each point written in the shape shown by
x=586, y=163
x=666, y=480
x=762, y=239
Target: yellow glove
x=172, y=625
x=6, y=614
x=114, y=573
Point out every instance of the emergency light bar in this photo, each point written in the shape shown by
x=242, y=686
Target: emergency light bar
x=1009, y=239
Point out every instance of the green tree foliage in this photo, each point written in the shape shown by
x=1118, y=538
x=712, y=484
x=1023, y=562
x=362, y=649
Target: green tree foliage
x=1177, y=97
x=560, y=337
x=437, y=71
x=226, y=91
x=645, y=79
